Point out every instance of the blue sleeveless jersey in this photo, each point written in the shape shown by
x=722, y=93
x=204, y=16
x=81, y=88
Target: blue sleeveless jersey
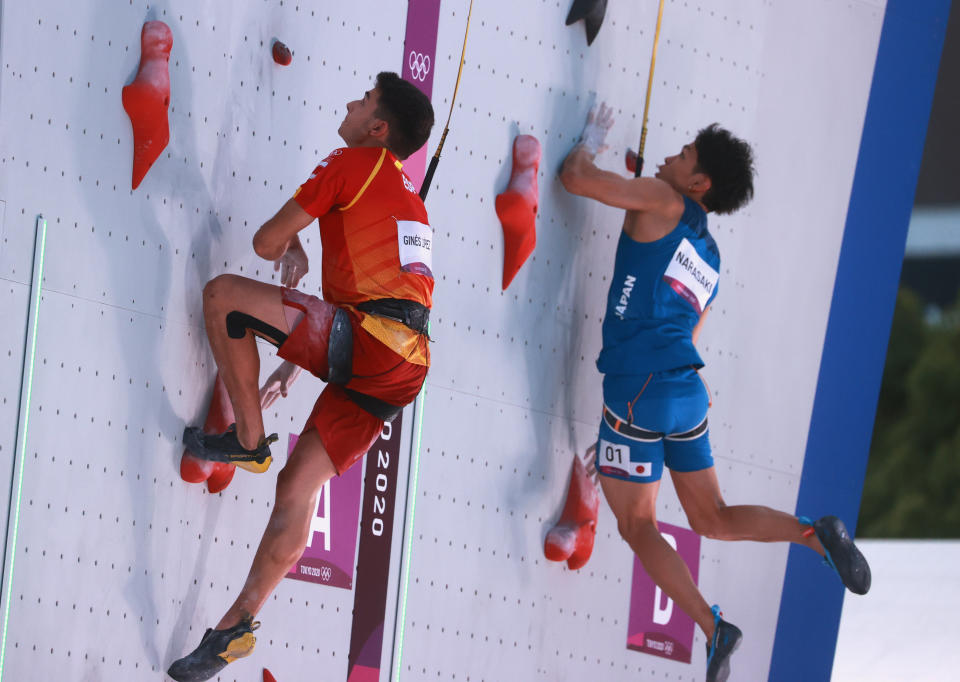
x=656, y=296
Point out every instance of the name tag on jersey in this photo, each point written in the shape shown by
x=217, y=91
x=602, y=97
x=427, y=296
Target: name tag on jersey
x=691, y=276
x=415, y=242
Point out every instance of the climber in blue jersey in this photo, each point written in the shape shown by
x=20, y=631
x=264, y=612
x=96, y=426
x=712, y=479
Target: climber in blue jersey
x=665, y=279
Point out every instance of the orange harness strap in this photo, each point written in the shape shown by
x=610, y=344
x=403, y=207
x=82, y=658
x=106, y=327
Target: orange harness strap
x=634, y=401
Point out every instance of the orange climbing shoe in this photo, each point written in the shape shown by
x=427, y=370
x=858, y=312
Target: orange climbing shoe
x=225, y=447
x=216, y=650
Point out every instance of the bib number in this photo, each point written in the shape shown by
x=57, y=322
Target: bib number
x=613, y=459
x=614, y=454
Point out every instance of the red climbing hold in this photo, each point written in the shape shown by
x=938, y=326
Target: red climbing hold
x=221, y=476
x=631, y=160
x=219, y=417
x=281, y=54
x=268, y=676
x=147, y=98
x=572, y=537
x=517, y=206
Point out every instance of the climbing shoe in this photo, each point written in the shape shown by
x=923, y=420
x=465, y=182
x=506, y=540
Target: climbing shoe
x=217, y=648
x=225, y=447
x=726, y=639
x=841, y=554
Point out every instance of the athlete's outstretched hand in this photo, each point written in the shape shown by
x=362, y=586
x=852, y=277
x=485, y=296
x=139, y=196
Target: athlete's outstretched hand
x=278, y=383
x=293, y=264
x=599, y=122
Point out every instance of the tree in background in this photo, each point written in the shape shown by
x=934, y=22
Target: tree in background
x=913, y=476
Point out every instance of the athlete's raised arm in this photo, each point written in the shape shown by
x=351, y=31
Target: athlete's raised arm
x=271, y=240
x=580, y=175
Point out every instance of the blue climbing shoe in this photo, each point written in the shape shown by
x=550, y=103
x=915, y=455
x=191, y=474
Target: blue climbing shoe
x=842, y=554
x=726, y=639
x=216, y=650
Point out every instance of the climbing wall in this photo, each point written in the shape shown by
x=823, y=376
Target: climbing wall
x=115, y=566
x=119, y=565
x=514, y=391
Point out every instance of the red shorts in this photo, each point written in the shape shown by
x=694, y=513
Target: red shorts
x=347, y=430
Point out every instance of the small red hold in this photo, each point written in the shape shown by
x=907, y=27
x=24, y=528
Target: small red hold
x=193, y=469
x=572, y=537
x=281, y=54
x=517, y=206
x=631, y=160
x=219, y=417
x=221, y=476
x=147, y=98
x=268, y=676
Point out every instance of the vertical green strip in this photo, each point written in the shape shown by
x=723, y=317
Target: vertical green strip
x=408, y=531
x=26, y=386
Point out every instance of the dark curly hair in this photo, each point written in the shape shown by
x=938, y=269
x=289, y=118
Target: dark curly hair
x=406, y=110
x=728, y=162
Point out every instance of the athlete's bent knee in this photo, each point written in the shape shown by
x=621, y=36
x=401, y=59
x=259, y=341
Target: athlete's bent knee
x=635, y=527
x=217, y=291
x=710, y=525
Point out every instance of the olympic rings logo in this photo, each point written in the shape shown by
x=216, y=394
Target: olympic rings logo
x=326, y=573
x=419, y=64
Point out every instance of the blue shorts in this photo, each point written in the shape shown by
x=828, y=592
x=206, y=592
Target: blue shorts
x=669, y=425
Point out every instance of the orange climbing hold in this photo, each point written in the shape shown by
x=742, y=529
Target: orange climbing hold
x=147, y=98
x=219, y=417
x=572, y=538
x=517, y=206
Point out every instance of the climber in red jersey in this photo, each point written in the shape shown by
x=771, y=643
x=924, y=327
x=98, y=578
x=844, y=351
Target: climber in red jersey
x=367, y=337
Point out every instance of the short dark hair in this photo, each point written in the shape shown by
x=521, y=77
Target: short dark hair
x=406, y=110
x=728, y=162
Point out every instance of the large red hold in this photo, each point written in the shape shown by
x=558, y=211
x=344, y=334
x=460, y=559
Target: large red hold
x=517, y=206
x=572, y=538
x=147, y=98
x=219, y=417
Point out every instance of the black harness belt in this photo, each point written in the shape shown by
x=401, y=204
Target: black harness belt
x=414, y=315
x=340, y=344
x=411, y=314
x=378, y=408
x=627, y=429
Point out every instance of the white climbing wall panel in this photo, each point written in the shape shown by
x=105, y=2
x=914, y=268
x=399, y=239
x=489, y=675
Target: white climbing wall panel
x=514, y=391
x=120, y=565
